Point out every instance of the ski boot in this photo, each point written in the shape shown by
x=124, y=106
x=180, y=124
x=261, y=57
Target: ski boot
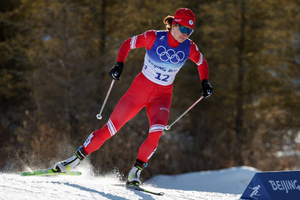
x=135, y=173
x=71, y=162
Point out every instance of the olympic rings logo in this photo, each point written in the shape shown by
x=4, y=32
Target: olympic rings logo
x=170, y=54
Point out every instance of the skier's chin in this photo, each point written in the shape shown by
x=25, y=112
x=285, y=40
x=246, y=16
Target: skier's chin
x=180, y=39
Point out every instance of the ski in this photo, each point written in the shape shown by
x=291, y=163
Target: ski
x=136, y=187
x=48, y=172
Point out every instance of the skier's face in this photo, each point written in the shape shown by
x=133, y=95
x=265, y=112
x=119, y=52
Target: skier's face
x=180, y=33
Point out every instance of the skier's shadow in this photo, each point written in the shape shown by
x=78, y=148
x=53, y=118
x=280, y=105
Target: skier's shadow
x=139, y=193
x=109, y=196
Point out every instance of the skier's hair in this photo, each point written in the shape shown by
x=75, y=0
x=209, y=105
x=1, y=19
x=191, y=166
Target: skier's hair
x=168, y=20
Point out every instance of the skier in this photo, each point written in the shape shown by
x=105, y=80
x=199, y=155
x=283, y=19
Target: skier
x=166, y=53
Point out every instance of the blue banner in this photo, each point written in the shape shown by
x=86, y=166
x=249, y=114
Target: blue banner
x=274, y=186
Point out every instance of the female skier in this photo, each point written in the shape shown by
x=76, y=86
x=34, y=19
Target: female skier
x=166, y=53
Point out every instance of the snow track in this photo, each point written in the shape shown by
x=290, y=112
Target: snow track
x=16, y=187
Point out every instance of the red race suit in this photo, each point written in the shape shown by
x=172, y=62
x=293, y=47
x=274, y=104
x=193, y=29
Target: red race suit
x=152, y=88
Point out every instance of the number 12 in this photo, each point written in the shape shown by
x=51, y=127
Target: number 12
x=162, y=77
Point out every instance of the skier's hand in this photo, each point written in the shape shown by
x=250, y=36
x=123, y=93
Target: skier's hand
x=207, y=89
x=116, y=71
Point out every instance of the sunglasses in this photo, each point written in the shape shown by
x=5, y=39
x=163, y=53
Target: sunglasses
x=185, y=29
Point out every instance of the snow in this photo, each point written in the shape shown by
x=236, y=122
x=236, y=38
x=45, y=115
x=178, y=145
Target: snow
x=225, y=184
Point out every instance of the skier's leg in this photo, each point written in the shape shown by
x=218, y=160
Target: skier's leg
x=149, y=146
x=158, y=110
x=124, y=111
x=158, y=117
x=98, y=137
x=158, y=114
x=129, y=105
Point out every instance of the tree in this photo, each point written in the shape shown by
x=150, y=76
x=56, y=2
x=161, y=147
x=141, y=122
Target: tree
x=247, y=43
x=15, y=91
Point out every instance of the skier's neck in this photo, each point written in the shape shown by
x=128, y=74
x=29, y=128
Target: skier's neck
x=171, y=40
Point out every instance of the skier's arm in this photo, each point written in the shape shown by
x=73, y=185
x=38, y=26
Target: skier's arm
x=146, y=39
x=197, y=57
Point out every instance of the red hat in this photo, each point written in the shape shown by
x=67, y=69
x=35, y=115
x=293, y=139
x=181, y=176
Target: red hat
x=185, y=17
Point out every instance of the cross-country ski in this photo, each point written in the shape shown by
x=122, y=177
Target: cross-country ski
x=137, y=187
x=48, y=172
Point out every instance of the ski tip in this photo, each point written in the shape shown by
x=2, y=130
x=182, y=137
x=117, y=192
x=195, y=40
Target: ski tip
x=25, y=173
x=49, y=172
x=75, y=173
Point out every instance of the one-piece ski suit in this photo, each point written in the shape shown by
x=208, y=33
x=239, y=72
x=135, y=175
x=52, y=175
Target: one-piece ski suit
x=152, y=88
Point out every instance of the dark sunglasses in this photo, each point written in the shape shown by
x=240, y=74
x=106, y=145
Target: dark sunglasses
x=185, y=29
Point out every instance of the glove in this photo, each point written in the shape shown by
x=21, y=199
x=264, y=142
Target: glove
x=207, y=89
x=116, y=71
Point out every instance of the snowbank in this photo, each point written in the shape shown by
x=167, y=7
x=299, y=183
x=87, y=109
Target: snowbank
x=232, y=180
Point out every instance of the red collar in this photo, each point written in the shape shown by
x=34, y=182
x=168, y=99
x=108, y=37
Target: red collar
x=171, y=41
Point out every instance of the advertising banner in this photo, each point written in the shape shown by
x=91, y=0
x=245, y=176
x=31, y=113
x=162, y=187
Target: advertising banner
x=274, y=186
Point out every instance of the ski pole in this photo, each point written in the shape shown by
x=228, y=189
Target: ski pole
x=169, y=126
x=99, y=116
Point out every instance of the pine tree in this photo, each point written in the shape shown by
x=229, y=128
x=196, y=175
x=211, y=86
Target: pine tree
x=248, y=45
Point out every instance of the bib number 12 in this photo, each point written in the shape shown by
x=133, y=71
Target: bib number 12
x=162, y=77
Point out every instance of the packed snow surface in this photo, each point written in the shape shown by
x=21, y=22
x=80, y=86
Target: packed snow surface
x=226, y=184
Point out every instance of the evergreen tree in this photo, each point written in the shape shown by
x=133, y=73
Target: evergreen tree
x=248, y=44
